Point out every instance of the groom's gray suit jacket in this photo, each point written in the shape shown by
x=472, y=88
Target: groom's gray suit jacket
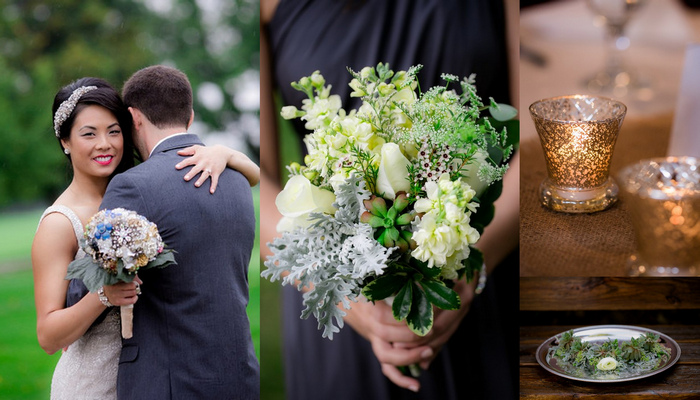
x=191, y=332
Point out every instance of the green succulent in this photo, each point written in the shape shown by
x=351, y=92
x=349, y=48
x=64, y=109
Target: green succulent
x=391, y=226
x=580, y=349
x=633, y=350
x=600, y=352
x=567, y=339
x=649, y=340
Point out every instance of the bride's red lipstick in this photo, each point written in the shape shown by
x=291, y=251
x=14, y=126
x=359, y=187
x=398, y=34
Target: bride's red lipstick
x=104, y=159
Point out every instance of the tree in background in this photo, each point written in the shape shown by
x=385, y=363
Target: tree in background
x=45, y=45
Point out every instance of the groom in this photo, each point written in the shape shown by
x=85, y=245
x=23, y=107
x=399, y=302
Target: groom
x=191, y=332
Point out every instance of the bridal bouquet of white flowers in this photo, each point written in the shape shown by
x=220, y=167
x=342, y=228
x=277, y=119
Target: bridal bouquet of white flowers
x=119, y=243
x=392, y=196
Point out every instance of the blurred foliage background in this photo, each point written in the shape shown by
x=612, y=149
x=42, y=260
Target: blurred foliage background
x=45, y=45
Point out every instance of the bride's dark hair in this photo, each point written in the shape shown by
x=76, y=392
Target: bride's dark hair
x=106, y=96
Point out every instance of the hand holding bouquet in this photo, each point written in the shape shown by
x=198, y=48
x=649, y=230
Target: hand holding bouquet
x=392, y=196
x=118, y=243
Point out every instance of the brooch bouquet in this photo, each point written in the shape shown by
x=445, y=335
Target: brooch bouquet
x=392, y=196
x=118, y=243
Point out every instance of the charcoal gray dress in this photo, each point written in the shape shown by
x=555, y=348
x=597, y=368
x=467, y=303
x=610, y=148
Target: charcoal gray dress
x=459, y=37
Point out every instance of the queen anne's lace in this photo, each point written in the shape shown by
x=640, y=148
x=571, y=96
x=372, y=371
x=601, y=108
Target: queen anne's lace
x=423, y=158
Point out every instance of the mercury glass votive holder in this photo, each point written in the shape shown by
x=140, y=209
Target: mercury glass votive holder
x=663, y=197
x=578, y=134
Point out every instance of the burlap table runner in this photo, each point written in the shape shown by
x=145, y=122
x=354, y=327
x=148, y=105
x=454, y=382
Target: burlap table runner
x=558, y=244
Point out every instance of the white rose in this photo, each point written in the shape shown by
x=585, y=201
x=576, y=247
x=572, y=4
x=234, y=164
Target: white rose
x=471, y=173
x=607, y=364
x=299, y=198
x=393, y=172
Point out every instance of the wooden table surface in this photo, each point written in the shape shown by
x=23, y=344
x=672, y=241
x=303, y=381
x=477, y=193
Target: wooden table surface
x=609, y=293
x=546, y=295
x=682, y=381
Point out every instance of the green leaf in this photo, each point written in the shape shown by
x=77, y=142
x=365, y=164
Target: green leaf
x=420, y=317
x=404, y=219
x=440, y=295
x=398, y=268
x=92, y=275
x=392, y=213
x=372, y=220
x=483, y=216
x=473, y=263
x=393, y=233
x=402, y=302
x=423, y=268
x=384, y=286
x=492, y=193
x=513, y=128
x=503, y=112
x=164, y=259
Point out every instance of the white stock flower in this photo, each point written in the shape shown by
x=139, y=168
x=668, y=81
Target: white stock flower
x=289, y=112
x=317, y=78
x=393, y=172
x=443, y=235
x=299, y=198
x=320, y=112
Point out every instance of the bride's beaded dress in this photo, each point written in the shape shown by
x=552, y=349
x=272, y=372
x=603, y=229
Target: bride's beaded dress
x=87, y=369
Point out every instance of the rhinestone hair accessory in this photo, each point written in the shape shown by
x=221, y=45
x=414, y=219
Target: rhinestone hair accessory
x=66, y=108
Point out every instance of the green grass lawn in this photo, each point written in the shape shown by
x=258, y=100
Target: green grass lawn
x=25, y=369
x=16, y=234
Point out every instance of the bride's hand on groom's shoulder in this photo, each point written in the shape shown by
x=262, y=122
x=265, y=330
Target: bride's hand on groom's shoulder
x=211, y=161
x=123, y=293
x=207, y=162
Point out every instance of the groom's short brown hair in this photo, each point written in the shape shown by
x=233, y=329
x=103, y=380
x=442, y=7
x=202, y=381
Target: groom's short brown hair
x=163, y=94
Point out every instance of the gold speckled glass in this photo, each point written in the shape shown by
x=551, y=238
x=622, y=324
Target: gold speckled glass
x=578, y=135
x=663, y=198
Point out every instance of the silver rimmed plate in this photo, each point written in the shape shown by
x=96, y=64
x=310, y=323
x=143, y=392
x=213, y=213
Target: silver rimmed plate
x=603, y=333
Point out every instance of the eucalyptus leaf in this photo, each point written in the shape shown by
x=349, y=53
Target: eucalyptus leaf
x=384, y=286
x=440, y=295
x=402, y=302
x=420, y=317
x=503, y=112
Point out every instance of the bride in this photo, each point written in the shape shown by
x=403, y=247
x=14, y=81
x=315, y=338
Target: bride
x=93, y=128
